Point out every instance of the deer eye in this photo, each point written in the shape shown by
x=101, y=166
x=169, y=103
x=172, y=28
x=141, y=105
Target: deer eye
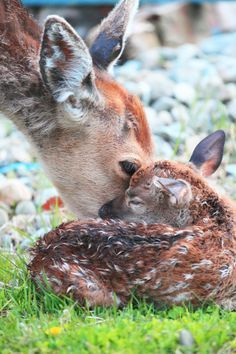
x=129, y=167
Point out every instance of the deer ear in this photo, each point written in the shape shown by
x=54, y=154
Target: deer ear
x=208, y=154
x=178, y=190
x=110, y=40
x=65, y=62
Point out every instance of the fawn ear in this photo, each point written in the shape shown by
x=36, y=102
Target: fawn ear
x=114, y=29
x=178, y=190
x=208, y=154
x=65, y=62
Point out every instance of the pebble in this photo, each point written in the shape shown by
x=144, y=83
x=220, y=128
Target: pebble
x=160, y=84
x=185, y=338
x=13, y=191
x=4, y=218
x=25, y=208
x=231, y=108
x=164, y=104
x=180, y=114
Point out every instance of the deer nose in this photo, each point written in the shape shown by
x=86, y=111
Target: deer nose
x=105, y=212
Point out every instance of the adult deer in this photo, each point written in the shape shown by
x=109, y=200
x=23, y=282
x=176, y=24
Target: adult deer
x=90, y=134
x=188, y=255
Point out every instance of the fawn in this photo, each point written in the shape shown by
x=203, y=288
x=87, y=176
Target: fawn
x=89, y=133
x=188, y=255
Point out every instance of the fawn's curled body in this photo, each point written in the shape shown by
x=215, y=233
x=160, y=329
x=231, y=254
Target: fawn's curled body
x=103, y=262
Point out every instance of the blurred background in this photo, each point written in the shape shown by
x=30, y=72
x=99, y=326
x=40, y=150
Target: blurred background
x=180, y=60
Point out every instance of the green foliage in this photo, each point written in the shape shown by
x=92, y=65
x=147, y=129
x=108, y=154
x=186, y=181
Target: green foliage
x=34, y=321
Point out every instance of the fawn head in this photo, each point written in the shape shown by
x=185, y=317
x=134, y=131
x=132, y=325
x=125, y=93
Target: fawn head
x=102, y=136
x=170, y=192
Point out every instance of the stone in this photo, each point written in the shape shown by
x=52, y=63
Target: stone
x=152, y=118
x=180, y=114
x=231, y=169
x=163, y=149
x=164, y=104
x=227, y=92
x=185, y=338
x=13, y=191
x=188, y=51
x=4, y=218
x=184, y=93
x=150, y=58
x=231, y=108
x=164, y=118
x=25, y=207
x=160, y=84
x=44, y=195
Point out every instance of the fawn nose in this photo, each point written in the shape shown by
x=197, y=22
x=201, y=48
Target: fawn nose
x=130, y=193
x=105, y=212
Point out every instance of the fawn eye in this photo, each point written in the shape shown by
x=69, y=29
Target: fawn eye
x=129, y=167
x=136, y=202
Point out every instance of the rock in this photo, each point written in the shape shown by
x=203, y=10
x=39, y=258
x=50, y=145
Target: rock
x=223, y=42
x=13, y=191
x=25, y=208
x=231, y=108
x=4, y=218
x=150, y=58
x=231, y=169
x=205, y=112
x=129, y=69
x=6, y=242
x=226, y=68
x=168, y=53
x=44, y=195
x=184, y=93
x=152, y=118
x=164, y=118
x=188, y=51
x=164, y=104
x=140, y=89
x=171, y=132
x=185, y=338
x=163, y=149
x=192, y=72
x=227, y=92
x=180, y=114
x=160, y=85
x=26, y=244
x=5, y=207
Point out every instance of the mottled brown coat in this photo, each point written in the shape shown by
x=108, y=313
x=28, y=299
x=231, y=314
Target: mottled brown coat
x=104, y=262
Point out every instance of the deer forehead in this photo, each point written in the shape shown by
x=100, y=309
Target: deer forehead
x=118, y=100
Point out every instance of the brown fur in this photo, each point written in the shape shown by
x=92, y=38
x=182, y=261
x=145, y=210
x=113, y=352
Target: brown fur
x=81, y=140
x=104, y=262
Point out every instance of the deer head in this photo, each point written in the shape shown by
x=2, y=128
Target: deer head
x=90, y=134
x=172, y=193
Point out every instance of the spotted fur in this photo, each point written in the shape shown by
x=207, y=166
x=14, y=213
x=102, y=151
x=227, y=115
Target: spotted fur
x=101, y=262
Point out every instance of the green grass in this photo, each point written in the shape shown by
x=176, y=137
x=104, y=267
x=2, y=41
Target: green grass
x=40, y=322
x=29, y=319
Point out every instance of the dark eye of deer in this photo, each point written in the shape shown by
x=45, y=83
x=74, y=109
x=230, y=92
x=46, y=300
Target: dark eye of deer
x=129, y=167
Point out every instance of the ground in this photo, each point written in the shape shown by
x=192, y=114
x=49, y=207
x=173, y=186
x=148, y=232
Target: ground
x=42, y=323
x=188, y=92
